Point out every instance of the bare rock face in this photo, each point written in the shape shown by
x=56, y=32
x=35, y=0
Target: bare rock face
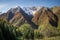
x=17, y=17
x=42, y=17
x=14, y=16
x=45, y=16
x=56, y=11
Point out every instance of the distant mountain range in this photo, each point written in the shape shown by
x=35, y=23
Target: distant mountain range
x=35, y=16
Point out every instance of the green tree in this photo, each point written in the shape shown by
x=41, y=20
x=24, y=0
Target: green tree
x=6, y=31
x=26, y=31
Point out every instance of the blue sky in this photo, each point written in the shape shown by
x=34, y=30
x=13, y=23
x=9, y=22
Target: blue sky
x=7, y=4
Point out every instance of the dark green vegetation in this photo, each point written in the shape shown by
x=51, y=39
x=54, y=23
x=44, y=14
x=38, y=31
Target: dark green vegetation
x=21, y=27
x=25, y=32
x=9, y=32
x=6, y=31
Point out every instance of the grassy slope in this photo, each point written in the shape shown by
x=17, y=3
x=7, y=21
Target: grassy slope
x=50, y=38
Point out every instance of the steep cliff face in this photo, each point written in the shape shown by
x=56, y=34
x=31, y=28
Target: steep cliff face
x=17, y=17
x=45, y=16
x=14, y=16
x=56, y=11
x=42, y=17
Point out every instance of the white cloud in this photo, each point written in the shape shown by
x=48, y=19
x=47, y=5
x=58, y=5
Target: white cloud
x=2, y=5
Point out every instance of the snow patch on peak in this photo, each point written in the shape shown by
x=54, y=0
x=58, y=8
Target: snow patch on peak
x=15, y=9
x=29, y=10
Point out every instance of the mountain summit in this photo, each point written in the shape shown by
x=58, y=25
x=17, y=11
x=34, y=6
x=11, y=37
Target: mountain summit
x=17, y=16
x=45, y=16
x=42, y=16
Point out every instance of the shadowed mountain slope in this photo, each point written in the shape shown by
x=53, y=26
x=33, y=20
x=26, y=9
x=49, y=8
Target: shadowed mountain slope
x=42, y=17
x=45, y=16
x=17, y=17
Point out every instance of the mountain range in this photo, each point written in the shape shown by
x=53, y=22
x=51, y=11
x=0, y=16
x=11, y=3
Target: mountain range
x=35, y=16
